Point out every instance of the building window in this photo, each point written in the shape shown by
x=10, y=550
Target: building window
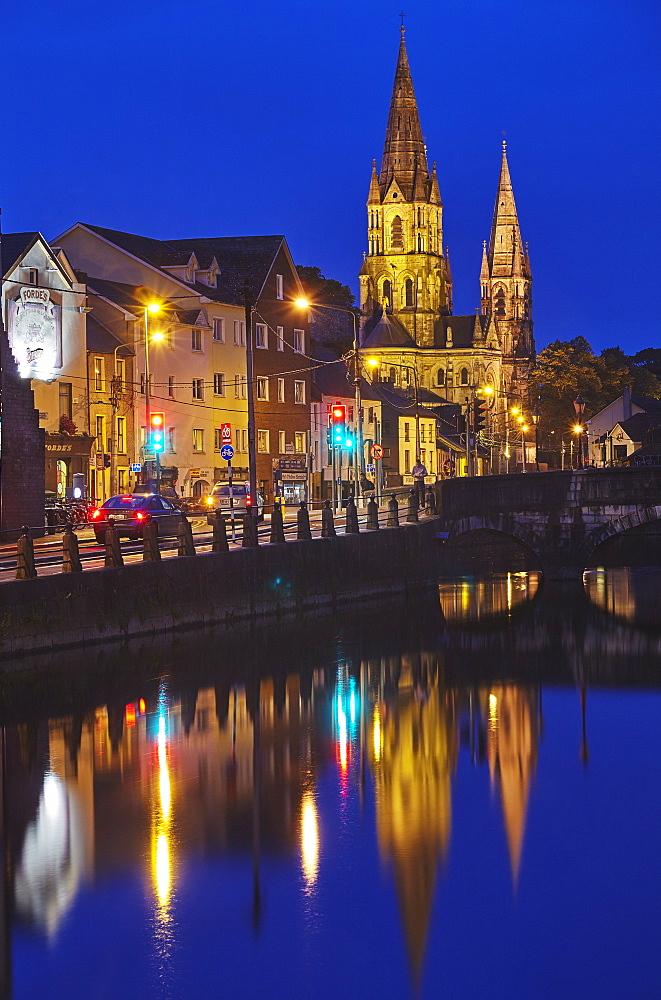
x=408, y=292
x=263, y=442
x=121, y=435
x=196, y=340
x=300, y=442
x=171, y=386
x=407, y=461
x=219, y=330
x=396, y=233
x=121, y=480
x=261, y=336
x=99, y=433
x=198, y=388
x=299, y=392
x=98, y=374
x=240, y=387
x=120, y=377
x=279, y=287
x=499, y=302
x=282, y=442
x=241, y=439
x=198, y=439
x=463, y=376
x=279, y=338
x=440, y=378
x=217, y=438
x=299, y=341
x=239, y=333
x=172, y=440
x=33, y=276
x=387, y=295
x=281, y=390
x=219, y=383
x=262, y=388
x=422, y=434
x=407, y=432
x=65, y=396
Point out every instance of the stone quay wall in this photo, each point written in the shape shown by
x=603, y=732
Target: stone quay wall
x=259, y=586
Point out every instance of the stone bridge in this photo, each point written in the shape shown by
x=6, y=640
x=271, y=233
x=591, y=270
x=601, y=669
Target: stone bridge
x=561, y=517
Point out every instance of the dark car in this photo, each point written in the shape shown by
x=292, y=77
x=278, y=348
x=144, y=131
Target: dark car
x=171, y=494
x=128, y=513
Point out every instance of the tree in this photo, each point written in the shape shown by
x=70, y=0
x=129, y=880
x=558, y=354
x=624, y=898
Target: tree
x=331, y=327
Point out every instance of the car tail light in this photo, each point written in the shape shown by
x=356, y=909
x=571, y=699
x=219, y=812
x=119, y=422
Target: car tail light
x=94, y=514
x=140, y=516
x=248, y=500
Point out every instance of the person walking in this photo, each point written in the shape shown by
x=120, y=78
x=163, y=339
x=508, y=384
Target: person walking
x=419, y=472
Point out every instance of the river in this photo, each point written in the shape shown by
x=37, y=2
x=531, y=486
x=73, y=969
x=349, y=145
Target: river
x=457, y=797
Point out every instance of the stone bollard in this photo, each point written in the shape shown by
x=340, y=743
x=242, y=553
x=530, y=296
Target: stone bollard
x=25, y=568
x=412, y=515
x=303, y=522
x=185, y=538
x=352, y=518
x=277, y=527
x=114, y=555
x=249, y=539
x=150, y=549
x=393, y=513
x=430, y=509
x=70, y=554
x=219, y=528
x=372, y=515
x=327, y=521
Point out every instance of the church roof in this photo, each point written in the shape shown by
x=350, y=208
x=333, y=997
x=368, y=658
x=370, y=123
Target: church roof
x=386, y=331
x=404, y=154
x=463, y=330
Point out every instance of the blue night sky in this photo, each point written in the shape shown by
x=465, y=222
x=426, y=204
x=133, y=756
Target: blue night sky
x=175, y=119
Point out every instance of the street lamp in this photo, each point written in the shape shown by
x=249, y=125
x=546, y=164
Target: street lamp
x=579, y=407
x=536, y=414
x=303, y=303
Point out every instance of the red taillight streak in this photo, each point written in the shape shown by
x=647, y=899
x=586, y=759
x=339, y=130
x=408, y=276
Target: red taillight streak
x=95, y=514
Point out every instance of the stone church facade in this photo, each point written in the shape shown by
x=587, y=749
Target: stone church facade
x=406, y=280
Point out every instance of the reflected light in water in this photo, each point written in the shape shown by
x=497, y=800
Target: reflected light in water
x=376, y=734
x=481, y=597
x=161, y=830
x=309, y=839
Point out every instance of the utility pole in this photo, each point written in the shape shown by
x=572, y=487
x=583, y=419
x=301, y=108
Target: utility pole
x=468, y=436
x=252, y=444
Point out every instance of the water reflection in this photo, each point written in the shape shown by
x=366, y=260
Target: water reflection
x=236, y=764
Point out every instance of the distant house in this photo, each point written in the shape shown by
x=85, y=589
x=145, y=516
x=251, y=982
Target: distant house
x=621, y=428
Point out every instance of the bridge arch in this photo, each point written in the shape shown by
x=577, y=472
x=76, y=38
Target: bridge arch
x=502, y=524
x=618, y=526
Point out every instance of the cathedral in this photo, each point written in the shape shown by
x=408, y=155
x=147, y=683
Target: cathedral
x=406, y=282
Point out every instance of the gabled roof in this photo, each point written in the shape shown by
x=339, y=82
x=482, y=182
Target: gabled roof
x=463, y=330
x=12, y=248
x=157, y=252
x=639, y=424
x=131, y=297
x=101, y=340
x=385, y=331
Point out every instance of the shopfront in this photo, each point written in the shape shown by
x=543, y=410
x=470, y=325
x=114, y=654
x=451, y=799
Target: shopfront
x=290, y=480
x=65, y=455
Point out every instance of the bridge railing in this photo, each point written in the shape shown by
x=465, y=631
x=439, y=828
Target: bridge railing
x=23, y=559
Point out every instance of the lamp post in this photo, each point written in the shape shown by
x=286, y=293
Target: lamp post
x=152, y=307
x=536, y=414
x=303, y=303
x=579, y=407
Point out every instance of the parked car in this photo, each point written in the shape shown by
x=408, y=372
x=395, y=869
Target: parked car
x=219, y=499
x=171, y=494
x=128, y=513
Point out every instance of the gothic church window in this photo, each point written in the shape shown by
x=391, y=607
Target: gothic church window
x=499, y=302
x=440, y=378
x=396, y=233
x=408, y=292
x=463, y=376
x=387, y=294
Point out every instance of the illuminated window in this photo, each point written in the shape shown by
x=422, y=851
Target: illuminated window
x=300, y=441
x=239, y=333
x=387, y=294
x=407, y=432
x=299, y=392
x=121, y=435
x=65, y=397
x=198, y=439
x=98, y=374
x=299, y=341
x=282, y=442
x=240, y=387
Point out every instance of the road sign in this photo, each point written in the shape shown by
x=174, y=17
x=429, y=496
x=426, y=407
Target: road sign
x=227, y=452
x=377, y=451
x=226, y=434
x=370, y=469
x=136, y=467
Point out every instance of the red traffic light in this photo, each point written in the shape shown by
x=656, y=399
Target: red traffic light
x=339, y=413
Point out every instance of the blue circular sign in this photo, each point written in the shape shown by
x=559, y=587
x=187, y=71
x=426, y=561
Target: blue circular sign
x=227, y=452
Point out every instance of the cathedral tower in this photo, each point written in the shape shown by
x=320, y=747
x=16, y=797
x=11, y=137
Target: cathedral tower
x=404, y=271
x=506, y=281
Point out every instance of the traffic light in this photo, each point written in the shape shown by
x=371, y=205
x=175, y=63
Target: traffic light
x=338, y=425
x=480, y=408
x=157, y=432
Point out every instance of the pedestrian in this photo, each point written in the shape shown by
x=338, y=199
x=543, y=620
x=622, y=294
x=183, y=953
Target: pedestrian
x=419, y=472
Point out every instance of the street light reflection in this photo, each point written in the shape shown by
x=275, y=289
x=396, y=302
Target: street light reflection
x=309, y=839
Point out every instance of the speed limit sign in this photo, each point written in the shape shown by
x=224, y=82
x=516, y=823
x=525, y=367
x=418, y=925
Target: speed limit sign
x=377, y=451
